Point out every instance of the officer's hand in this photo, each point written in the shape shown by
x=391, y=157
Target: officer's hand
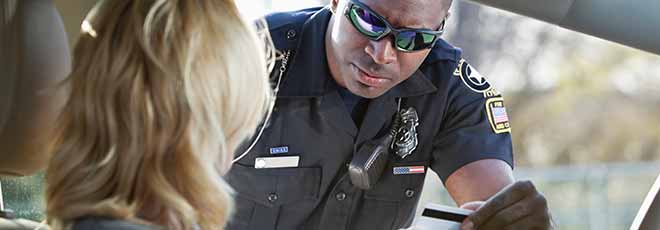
x=518, y=206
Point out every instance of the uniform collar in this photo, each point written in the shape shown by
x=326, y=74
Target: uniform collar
x=417, y=84
x=308, y=74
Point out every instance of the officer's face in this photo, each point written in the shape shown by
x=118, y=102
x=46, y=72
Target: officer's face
x=369, y=68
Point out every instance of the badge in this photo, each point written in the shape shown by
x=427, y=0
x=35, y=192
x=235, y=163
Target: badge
x=499, y=120
x=408, y=170
x=276, y=162
x=405, y=139
x=471, y=78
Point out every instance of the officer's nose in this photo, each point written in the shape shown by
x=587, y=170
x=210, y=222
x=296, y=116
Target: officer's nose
x=382, y=51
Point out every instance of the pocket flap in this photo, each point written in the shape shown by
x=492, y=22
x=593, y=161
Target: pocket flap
x=273, y=187
x=398, y=187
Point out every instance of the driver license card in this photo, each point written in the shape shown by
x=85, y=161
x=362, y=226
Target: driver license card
x=441, y=217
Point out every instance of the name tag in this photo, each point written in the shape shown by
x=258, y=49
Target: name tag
x=276, y=162
x=279, y=150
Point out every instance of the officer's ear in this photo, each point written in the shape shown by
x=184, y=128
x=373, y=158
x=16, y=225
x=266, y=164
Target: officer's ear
x=333, y=5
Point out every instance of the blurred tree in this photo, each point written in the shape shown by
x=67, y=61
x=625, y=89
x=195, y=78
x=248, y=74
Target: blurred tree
x=24, y=196
x=572, y=99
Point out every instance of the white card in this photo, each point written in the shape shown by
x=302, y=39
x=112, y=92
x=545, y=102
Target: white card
x=440, y=217
x=276, y=162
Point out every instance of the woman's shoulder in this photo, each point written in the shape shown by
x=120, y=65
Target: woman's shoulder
x=102, y=223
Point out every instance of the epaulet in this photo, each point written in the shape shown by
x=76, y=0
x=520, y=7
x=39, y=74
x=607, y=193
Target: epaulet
x=286, y=27
x=443, y=51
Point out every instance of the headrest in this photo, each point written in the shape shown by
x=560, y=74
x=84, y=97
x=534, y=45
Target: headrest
x=35, y=55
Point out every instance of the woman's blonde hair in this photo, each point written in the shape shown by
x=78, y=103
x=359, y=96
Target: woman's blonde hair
x=161, y=94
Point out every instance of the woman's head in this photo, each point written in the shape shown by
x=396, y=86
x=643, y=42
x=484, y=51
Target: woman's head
x=161, y=93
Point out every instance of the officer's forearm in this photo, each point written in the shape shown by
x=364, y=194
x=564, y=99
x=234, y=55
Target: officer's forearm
x=479, y=180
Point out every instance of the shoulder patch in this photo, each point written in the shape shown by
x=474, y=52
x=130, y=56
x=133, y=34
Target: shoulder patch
x=471, y=78
x=496, y=112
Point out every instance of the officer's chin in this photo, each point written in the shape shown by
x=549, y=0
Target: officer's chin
x=366, y=91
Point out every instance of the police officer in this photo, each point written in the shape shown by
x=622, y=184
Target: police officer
x=351, y=72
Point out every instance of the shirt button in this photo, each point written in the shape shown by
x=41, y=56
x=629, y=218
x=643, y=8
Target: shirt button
x=340, y=196
x=410, y=193
x=272, y=197
x=291, y=34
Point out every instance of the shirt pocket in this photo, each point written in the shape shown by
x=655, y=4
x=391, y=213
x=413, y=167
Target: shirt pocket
x=392, y=202
x=262, y=193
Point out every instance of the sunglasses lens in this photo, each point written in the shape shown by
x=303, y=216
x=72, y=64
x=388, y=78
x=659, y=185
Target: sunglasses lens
x=372, y=26
x=412, y=40
x=366, y=22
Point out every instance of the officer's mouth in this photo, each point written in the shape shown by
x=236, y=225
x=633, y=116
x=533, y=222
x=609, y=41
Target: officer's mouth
x=370, y=79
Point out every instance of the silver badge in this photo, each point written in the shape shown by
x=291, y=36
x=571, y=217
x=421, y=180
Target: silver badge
x=405, y=138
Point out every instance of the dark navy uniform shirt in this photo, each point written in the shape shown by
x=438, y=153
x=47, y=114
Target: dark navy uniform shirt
x=461, y=120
